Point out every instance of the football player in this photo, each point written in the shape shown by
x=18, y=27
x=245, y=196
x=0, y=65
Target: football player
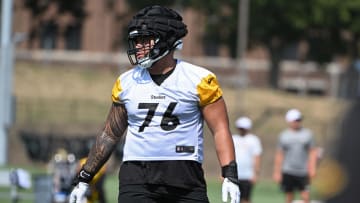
x=163, y=103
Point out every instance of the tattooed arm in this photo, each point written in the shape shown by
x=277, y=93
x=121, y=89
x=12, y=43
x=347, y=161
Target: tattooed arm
x=115, y=126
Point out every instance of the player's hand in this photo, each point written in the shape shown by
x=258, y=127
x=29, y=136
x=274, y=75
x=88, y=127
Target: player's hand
x=231, y=188
x=78, y=193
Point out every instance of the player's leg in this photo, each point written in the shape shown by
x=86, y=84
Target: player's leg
x=289, y=197
x=288, y=184
x=305, y=196
x=304, y=187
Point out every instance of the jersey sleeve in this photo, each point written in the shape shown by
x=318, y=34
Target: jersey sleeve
x=116, y=90
x=209, y=90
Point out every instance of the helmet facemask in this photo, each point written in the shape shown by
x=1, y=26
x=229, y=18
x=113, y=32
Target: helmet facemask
x=152, y=34
x=142, y=48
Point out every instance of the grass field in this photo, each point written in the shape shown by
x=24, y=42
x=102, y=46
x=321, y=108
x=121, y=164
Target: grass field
x=265, y=191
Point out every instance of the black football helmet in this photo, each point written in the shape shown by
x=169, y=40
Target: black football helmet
x=161, y=24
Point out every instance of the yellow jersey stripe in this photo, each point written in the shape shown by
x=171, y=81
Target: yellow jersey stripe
x=209, y=90
x=116, y=91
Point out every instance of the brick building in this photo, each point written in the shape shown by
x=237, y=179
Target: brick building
x=87, y=25
x=96, y=31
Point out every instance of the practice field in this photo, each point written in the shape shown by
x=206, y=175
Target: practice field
x=265, y=191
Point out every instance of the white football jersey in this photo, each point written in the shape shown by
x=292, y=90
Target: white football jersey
x=246, y=149
x=165, y=121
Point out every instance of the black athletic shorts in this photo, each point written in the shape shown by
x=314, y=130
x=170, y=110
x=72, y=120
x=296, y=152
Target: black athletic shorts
x=291, y=183
x=162, y=181
x=152, y=193
x=245, y=189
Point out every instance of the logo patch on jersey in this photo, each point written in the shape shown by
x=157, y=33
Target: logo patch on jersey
x=157, y=97
x=186, y=149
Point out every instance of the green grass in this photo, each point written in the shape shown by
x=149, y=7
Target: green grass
x=265, y=191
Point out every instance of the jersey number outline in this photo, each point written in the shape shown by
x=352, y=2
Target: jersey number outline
x=168, y=121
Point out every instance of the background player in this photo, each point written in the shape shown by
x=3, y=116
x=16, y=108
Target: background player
x=295, y=158
x=248, y=151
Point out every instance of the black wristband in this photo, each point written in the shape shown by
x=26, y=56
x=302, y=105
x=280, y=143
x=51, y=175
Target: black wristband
x=83, y=176
x=230, y=171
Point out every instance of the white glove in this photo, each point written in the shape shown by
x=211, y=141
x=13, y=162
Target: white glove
x=233, y=189
x=78, y=193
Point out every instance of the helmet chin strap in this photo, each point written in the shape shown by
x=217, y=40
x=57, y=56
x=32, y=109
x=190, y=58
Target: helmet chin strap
x=178, y=44
x=147, y=63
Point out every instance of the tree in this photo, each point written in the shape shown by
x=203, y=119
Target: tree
x=330, y=27
x=322, y=23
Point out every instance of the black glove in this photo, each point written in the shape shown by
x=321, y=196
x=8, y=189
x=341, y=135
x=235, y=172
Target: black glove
x=230, y=172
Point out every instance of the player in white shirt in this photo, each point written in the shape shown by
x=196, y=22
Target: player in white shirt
x=248, y=151
x=163, y=103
